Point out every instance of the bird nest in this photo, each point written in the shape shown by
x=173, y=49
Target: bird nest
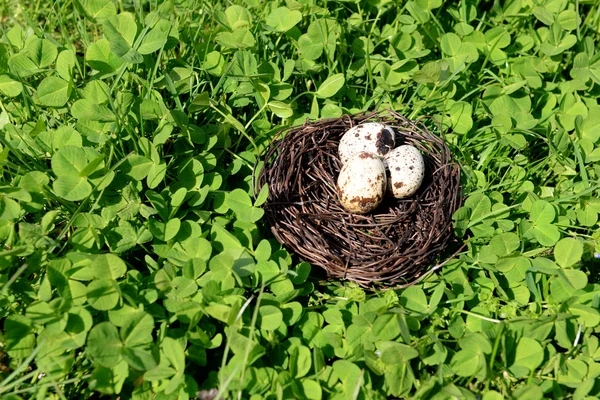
x=395, y=245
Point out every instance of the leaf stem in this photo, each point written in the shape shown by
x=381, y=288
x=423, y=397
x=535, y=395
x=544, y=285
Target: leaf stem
x=493, y=356
x=495, y=321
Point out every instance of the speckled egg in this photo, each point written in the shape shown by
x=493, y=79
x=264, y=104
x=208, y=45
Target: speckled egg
x=406, y=170
x=361, y=183
x=371, y=136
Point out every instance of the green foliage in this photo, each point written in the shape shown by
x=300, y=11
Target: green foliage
x=136, y=262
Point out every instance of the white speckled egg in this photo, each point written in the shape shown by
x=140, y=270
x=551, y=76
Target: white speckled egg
x=406, y=169
x=361, y=183
x=371, y=136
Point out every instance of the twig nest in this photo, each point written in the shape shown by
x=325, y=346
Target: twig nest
x=372, y=137
x=397, y=243
x=362, y=183
x=406, y=169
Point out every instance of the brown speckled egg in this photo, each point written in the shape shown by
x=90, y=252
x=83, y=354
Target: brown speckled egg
x=361, y=183
x=371, y=136
x=406, y=169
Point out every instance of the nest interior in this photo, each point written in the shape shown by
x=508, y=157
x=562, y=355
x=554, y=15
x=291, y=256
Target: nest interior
x=394, y=245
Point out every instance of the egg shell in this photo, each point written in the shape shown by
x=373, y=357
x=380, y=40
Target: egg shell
x=406, y=169
x=373, y=137
x=361, y=183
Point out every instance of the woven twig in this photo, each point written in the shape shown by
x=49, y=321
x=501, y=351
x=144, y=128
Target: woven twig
x=395, y=244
